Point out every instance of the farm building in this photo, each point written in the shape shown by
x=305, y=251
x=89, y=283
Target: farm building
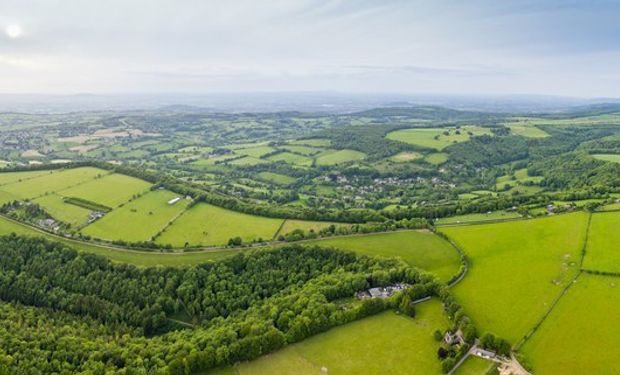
x=382, y=292
x=174, y=200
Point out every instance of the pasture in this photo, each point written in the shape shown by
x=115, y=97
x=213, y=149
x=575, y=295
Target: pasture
x=406, y=156
x=68, y=213
x=580, y=336
x=276, y=178
x=386, y=343
x=602, y=252
x=52, y=182
x=206, y=225
x=291, y=158
x=139, y=219
x=527, y=131
x=517, y=269
x=470, y=218
x=436, y=158
x=110, y=190
x=255, y=152
x=306, y=225
x=436, y=138
x=474, y=365
x=421, y=249
x=338, y=157
x=11, y=177
x=614, y=158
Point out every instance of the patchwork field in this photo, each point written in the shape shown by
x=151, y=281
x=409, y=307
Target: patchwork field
x=436, y=138
x=205, y=224
x=139, y=219
x=110, y=190
x=494, y=215
x=517, y=269
x=602, y=251
x=422, y=249
x=52, y=182
x=339, y=157
x=580, y=336
x=68, y=213
x=386, y=343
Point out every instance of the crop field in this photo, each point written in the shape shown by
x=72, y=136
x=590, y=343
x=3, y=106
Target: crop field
x=306, y=225
x=290, y=158
x=139, y=219
x=580, y=336
x=469, y=218
x=517, y=269
x=602, y=251
x=52, y=182
x=528, y=131
x=110, y=190
x=435, y=137
x=437, y=158
x=338, y=157
x=205, y=224
x=68, y=213
x=386, y=343
x=422, y=249
x=615, y=158
x=474, y=365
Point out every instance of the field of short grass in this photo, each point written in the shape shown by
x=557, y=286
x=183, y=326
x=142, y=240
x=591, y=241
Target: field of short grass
x=422, y=249
x=315, y=142
x=602, y=251
x=62, y=211
x=474, y=365
x=204, y=225
x=490, y=216
x=290, y=158
x=292, y=224
x=528, y=131
x=248, y=160
x=338, y=157
x=580, y=336
x=304, y=150
x=406, y=156
x=52, y=182
x=139, y=219
x=435, y=137
x=386, y=343
x=12, y=177
x=110, y=190
x=276, y=178
x=437, y=158
x=517, y=269
x=255, y=152
x=615, y=158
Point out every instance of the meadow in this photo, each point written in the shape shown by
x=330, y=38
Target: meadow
x=205, y=225
x=470, y=218
x=386, y=343
x=602, y=253
x=421, y=249
x=406, y=156
x=291, y=158
x=436, y=138
x=338, y=157
x=306, y=225
x=517, y=269
x=138, y=220
x=580, y=336
x=110, y=190
x=52, y=182
x=527, y=131
x=11, y=177
x=276, y=178
x=614, y=158
x=474, y=365
x=436, y=158
x=68, y=213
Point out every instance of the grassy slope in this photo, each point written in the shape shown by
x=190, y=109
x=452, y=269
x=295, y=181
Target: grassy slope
x=205, y=225
x=580, y=336
x=421, y=249
x=602, y=253
x=386, y=343
x=110, y=190
x=517, y=269
x=139, y=219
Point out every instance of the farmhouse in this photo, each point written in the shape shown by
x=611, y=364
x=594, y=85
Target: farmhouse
x=174, y=200
x=382, y=292
x=454, y=338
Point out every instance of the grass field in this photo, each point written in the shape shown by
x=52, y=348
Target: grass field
x=304, y=150
x=435, y=137
x=276, y=178
x=205, y=224
x=255, y=152
x=615, y=158
x=139, y=219
x=406, y=156
x=494, y=215
x=437, y=158
x=248, y=160
x=110, y=190
x=62, y=211
x=338, y=157
x=528, y=131
x=474, y=366
x=602, y=251
x=516, y=269
x=580, y=336
x=316, y=142
x=386, y=343
x=292, y=224
x=290, y=158
x=52, y=182
x=11, y=177
x=418, y=248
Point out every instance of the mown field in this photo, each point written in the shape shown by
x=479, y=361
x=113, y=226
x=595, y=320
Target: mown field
x=602, y=251
x=51, y=182
x=422, y=249
x=474, y=366
x=110, y=190
x=494, y=215
x=339, y=157
x=386, y=343
x=517, y=269
x=205, y=225
x=580, y=336
x=138, y=220
x=436, y=138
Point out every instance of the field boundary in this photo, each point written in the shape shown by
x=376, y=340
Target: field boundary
x=280, y=228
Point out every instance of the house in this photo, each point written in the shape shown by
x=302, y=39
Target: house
x=484, y=353
x=382, y=292
x=174, y=200
x=455, y=338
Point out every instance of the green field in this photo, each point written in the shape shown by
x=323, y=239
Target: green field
x=316, y=142
x=338, y=157
x=68, y=213
x=435, y=137
x=277, y=178
x=615, y=158
x=205, y=224
x=516, y=269
x=255, y=152
x=418, y=248
x=248, y=160
x=581, y=334
x=406, y=156
x=290, y=158
x=292, y=224
x=474, y=365
x=304, y=150
x=11, y=177
x=489, y=216
x=111, y=190
x=139, y=219
x=602, y=251
x=437, y=158
x=386, y=343
x=52, y=182
x=528, y=131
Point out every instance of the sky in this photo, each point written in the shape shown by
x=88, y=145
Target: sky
x=566, y=48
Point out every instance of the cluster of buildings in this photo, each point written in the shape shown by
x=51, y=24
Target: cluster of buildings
x=382, y=291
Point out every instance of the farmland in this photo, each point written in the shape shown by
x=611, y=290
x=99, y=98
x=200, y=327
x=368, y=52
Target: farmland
x=403, y=346
x=517, y=269
x=614, y=158
x=469, y=218
x=205, y=224
x=110, y=190
x=69, y=213
x=436, y=138
x=338, y=157
x=418, y=248
x=51, y=182
x=579, y=336
x=602, y=253
x=305, y=225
